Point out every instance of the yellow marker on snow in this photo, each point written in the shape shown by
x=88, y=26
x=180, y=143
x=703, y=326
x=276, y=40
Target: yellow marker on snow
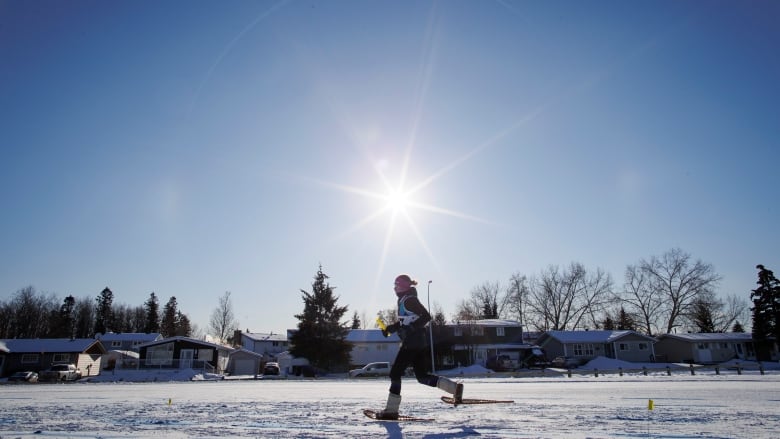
x=381, y=323
x=169, y=401
x=650, y=404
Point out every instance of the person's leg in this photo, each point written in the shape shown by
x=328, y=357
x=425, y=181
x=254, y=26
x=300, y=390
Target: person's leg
x=394, y=395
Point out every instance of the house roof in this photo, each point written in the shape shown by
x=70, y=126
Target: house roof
x=591, y=336
x=702, y=336
x=246, y=352
x=261, y=336
x=44, y=345
x=187, y=339
x=129, y=336
x=370, y=336
x=486, y=322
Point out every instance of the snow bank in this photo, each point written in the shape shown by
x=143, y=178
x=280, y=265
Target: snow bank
x=147, y=375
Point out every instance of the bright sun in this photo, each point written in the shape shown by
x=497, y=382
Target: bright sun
x=397, y=201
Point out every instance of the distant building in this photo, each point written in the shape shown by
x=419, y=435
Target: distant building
x=36, y=354
x=369, y=346
x=707, y=348
x=127, y=341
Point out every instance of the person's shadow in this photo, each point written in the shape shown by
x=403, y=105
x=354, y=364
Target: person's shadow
x=394, y=431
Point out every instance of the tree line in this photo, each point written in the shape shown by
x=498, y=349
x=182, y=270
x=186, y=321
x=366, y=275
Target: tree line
x=32, y=314
x=658, y=295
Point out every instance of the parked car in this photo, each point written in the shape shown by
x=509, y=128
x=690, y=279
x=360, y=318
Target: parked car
x=60, y=372
x=566, y=362
x=27, y=376
x=371, y=370
x=271, y=368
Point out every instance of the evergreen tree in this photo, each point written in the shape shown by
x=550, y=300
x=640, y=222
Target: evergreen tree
x=152, y=322
x=608, y=324
x=702, y=316
x=85, y=318
x=63, y=321
x=738, y=327
x=766, y=313
x=625, y=321
x=183, y=325
x=321, y=335
x=103, y=312
x=489, y=309
x=168, y=324
x=355, y=321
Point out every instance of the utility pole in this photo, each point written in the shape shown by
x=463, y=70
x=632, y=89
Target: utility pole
x=430, y=328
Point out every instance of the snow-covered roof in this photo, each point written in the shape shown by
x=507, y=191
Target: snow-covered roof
x=591, y=336
x=710, y=337
x=129, y=336
x=118, y=353
x=370, y=336
x=247, y=352
x=187, y=339
x=486, y=322
x=41, y=345
x=261, y=336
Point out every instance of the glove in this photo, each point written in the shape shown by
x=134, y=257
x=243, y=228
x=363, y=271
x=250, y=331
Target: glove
x=391, y=329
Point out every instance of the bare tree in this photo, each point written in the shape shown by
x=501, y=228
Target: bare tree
x=711, y=314
x=223, y=322
x=486, y=302
x=568, y=299
x=517, y=298
x=677, y=281
x=641, y=301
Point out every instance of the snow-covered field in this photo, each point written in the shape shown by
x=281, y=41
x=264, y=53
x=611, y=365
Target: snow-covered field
x=555, y=406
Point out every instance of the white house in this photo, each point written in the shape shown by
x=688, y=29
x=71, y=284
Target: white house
x=270, y=345
x=369, y=345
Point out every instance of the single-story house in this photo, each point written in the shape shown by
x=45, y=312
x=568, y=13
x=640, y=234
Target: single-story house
x=36, y=354
x=583, y=346
x=369, y=346
x=127, y=341
x=707, y=348
x=184, y=353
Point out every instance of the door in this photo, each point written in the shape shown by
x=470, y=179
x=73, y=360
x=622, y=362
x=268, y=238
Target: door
x=186, y=356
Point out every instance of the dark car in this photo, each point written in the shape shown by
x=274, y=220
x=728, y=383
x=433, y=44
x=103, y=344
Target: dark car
x=271, y=368
x=27, y=376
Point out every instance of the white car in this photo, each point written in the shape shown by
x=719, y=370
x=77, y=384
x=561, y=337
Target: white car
x=381, y=368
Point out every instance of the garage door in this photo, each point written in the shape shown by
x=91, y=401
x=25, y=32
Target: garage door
x=245, y=367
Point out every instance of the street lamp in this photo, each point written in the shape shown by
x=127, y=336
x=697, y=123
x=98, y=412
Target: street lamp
x=430, y=328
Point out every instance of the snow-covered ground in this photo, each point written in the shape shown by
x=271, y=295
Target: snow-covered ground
x=706, y=405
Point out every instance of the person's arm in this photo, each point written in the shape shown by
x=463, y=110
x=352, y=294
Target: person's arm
x=413, y=304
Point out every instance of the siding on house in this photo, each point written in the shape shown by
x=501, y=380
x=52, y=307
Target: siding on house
x=705, y=348
x=369, y=346
x=127, y=341
x=40, y=353
x=587, y=345
x=184, y=353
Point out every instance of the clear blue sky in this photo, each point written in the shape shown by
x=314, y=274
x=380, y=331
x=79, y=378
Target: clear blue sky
x=195, y=147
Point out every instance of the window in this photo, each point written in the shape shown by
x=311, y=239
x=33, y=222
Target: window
x=500, y=331
x=137, y=343
x=458, y=331
x=477, y=330
x=624, y=347
x=642, y=346
x=583, y=349
x=703, y=346
x=61, y=358
x=116, y=344
x=30, y=358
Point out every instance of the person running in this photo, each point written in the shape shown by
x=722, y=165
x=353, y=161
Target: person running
x=412, y=318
